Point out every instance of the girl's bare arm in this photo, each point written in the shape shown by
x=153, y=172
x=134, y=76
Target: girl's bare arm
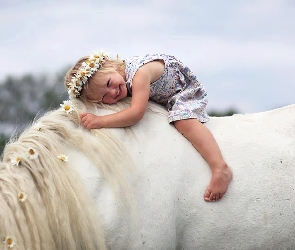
x=129, y=116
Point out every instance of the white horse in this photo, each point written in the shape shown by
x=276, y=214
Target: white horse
x=63, y=187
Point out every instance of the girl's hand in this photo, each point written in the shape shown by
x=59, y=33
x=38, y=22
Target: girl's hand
x=91, y=121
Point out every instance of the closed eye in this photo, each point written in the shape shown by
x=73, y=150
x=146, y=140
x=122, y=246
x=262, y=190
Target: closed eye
x=108, y=85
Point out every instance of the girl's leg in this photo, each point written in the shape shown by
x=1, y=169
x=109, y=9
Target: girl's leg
x=203, y=141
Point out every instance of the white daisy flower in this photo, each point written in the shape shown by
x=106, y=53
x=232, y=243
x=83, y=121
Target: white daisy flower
x=38, y=126
x=84, y=64
x=78, y=84
x=63, y=157
x=15, y=161
x=96, y=55
x=91, y=64
x=32, y=154
x=71, y=84
x=67, y=106
x=9, y=242
x=22, y=196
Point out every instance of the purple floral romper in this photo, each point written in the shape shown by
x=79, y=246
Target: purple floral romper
x=177, y=89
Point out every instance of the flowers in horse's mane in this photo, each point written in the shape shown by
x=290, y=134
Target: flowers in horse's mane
x=38, y=125
x=63, y=157
x=15, y=161
x=9, y=242
x=32, y=154
x=67, y=106
x=22, y=196
x=87, y=69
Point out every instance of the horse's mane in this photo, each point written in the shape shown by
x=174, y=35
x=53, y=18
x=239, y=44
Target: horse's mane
x=58, y=212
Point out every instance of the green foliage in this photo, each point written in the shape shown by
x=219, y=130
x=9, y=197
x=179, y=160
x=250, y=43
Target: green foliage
x=229, y=112
x=3, y=141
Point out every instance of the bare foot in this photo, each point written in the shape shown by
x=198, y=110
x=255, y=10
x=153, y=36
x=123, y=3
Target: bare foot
x=218, y=185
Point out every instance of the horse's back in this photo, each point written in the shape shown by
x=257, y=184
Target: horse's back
x=258, y=209
x=256, y=212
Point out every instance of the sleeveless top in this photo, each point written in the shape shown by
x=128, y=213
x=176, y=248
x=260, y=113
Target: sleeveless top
x=177, y=89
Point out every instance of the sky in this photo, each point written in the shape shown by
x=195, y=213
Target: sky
x=242, y=51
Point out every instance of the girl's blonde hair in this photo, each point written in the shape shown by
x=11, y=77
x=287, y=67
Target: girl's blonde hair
x=88, y=89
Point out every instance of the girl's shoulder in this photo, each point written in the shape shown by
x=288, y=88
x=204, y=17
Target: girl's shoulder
x=135, y=62
x=132, y=64
x=145, y=58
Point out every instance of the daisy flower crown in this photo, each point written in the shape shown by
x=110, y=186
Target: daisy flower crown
x=86, y=70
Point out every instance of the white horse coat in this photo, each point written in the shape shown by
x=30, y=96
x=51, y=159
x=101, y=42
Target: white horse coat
x=161, y=206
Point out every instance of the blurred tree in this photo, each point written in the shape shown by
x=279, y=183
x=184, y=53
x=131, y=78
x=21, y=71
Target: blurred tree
x=24, y=98
x=229, y=112
x=3, y=141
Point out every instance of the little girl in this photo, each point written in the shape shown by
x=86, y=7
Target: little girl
x=158, y=77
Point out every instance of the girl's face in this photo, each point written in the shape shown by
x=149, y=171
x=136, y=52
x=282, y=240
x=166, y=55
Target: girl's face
x=111, y=87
